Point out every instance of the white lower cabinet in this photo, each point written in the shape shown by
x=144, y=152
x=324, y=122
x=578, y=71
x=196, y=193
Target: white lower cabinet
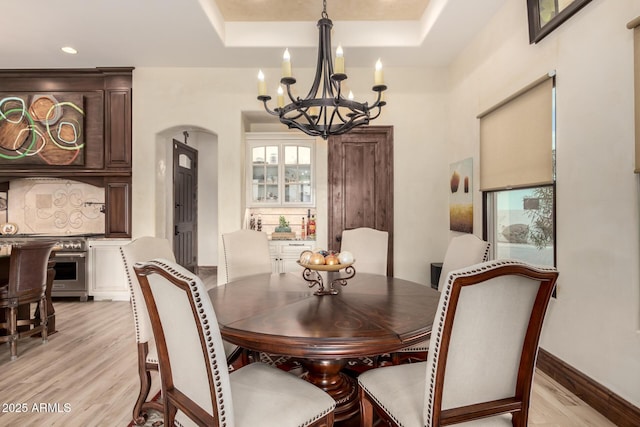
x=107, y=275
x=285, y=254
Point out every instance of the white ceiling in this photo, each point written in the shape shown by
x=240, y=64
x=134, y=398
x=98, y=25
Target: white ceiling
x=234, y=33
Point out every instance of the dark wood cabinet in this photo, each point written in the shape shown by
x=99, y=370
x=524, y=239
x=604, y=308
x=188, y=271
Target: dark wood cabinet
x=105, y=95
x=118, y=207
x=118, y=129
x=117, y=118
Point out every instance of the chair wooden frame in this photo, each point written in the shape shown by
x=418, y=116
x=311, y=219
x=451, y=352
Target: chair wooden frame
x=145, y=366
x=174, y=398
x=146, y=248
x=518, y=404
x=27, y=284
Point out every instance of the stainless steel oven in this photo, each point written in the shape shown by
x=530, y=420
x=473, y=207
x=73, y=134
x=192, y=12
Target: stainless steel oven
x=71, y=274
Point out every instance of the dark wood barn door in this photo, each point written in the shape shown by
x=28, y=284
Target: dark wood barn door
x=185, y=209
x=361, y=183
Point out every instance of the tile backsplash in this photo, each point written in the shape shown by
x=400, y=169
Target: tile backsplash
x=55, y=206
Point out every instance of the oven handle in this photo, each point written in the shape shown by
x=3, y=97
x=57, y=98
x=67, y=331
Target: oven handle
x=70, y=254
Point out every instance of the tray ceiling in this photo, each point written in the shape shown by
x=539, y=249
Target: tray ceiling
x=236, y=33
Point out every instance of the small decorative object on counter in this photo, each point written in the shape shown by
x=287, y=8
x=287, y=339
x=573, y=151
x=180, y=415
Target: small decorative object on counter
x=312, y=227
x=283, y=225
x=314, y=262
x=252, y=223
x=283, y=231
x=8, y=228
x=303, y=230
x=259, y=226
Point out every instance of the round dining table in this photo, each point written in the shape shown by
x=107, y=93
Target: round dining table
x=370, y=315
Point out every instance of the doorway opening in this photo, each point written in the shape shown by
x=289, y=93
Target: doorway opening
x=206, y=144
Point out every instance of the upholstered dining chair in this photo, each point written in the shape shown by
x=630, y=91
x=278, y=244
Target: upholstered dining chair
x=246, y=252
x=196, y=384
x=145, y=249
x=463, y=251
x=26, y=284
x=369, y=248
x=482, y=353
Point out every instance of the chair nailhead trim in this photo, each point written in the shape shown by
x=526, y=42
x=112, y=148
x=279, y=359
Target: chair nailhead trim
x=438, y=336
x=134, y=307
x=204, y=323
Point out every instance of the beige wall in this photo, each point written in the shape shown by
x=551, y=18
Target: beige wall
x=213, y=100
x=593, y=324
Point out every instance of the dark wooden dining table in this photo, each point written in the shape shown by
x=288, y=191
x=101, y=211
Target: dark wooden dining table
x=371, y=315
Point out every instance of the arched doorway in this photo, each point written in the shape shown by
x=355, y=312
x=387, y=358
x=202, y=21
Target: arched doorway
x=206, y=144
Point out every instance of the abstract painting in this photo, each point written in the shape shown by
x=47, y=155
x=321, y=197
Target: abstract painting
x=42, y=129
x=461, y=196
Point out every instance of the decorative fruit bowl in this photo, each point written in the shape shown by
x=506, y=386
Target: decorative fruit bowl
x=325, y=267
x=311, y=274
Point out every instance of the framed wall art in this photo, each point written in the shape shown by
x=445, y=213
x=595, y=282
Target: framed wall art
x=547, y=15
x=461, y=196
x=42, y=128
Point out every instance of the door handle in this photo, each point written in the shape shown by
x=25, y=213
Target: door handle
x=338, y=239
x=175, y=230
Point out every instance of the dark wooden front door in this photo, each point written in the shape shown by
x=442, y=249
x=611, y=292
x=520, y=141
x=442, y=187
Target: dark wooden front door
x=361, y=183
x=185, y=209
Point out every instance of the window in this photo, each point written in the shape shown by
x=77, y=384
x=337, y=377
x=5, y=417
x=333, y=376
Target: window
x=297, y=174
x=279, y=170
x=522, y=224
x=517, y=174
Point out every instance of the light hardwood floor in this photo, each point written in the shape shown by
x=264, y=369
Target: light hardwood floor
x=89, y=370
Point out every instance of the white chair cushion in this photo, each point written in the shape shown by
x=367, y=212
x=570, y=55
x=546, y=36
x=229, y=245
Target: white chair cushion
x=259, y=391
x=399, y=390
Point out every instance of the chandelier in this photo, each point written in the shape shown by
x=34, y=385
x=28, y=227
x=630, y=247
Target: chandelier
x=324, y=111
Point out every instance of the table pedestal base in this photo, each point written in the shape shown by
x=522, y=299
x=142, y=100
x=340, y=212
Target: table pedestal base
x=327, y=375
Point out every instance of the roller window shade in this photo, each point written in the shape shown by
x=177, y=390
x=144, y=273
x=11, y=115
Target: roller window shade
x=516, y=139
x=635, y=26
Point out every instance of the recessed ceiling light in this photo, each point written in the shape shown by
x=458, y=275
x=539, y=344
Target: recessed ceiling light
x=69, y=50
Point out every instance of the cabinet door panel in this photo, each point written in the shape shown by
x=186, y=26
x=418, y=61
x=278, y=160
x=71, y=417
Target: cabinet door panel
x=107, y=274
x=118, y=207
x=118, y=131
